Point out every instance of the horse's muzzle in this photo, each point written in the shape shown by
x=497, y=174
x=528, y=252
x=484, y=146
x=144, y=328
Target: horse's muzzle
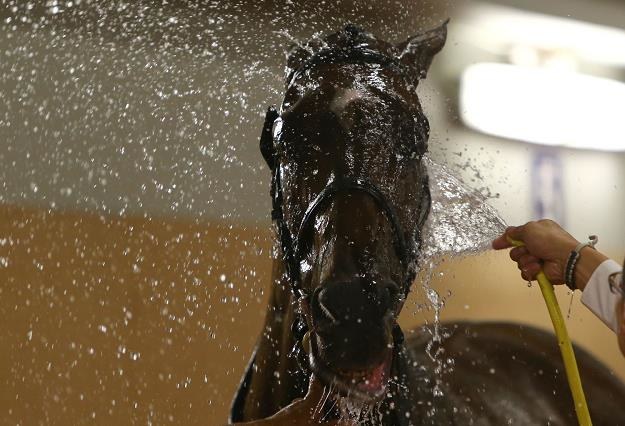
x=353, y=323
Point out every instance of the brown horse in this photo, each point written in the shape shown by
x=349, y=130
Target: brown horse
x=350, y=196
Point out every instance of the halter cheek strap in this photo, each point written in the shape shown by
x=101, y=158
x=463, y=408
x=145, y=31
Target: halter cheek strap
x=266, y=138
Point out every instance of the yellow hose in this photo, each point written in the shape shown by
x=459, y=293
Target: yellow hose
x=566, y=348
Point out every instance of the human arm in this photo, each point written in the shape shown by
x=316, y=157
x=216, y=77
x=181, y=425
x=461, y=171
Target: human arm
x=307, y=411
x=600, y=299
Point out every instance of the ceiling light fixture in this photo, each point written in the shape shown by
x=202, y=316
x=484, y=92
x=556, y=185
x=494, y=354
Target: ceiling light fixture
x=544, y=106
x=496, y=28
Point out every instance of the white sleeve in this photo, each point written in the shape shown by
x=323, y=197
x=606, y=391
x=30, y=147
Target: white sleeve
x=598, y=297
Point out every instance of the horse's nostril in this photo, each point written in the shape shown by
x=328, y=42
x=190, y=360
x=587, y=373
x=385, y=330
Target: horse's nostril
x=323, y=306
x=320, y=305
x=352, y=323
x=360, y=301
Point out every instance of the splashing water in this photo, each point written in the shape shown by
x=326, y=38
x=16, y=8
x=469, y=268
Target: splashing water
x=355, y=413
x=461, y=223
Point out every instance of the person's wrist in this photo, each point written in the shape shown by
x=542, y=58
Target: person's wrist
x=589, y=260
x=566, y=247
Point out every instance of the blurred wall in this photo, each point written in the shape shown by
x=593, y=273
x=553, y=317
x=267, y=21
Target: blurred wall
x=127, y=321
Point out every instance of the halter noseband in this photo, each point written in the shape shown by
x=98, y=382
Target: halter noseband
x=347, y=185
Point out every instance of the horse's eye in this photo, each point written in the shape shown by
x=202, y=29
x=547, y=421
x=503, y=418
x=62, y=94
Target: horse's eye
x=276, y=130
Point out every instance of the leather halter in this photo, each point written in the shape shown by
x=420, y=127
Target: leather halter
x=292, y=251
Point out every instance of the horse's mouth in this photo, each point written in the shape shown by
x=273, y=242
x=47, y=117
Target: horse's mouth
x=363, y=385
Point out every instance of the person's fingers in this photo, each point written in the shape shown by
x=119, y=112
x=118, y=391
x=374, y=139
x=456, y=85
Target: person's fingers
x=501, y=242
x=517, y=252
x=530, y=271
x=516, y=232
x=312, y=397
x=527, y=259
x=512, y=232
x=554, y=272
x=302, y=411
x=527, y=276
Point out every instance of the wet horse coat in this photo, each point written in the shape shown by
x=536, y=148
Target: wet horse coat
x=350, y=194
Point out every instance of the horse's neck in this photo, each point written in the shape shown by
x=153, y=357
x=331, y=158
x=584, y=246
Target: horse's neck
x=275, y=379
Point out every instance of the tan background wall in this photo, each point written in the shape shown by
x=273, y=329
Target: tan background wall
x=112, y=321
x=122, y=321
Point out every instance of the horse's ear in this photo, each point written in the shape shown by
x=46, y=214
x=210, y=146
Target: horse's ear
x=266, y=137
x=418, y=51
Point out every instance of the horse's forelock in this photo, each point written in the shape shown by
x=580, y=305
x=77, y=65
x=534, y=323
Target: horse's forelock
x=350, y=39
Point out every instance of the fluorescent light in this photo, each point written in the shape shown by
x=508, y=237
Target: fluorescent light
x=545, y=106
x=496, y=28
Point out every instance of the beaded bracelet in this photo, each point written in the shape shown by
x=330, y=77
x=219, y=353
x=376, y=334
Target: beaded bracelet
x=569, y=273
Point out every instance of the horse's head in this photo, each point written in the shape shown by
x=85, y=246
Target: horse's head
x=350, y=195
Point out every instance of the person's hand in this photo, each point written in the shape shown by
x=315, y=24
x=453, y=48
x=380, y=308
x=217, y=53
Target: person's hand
x=312, y=410
x=547, y=247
